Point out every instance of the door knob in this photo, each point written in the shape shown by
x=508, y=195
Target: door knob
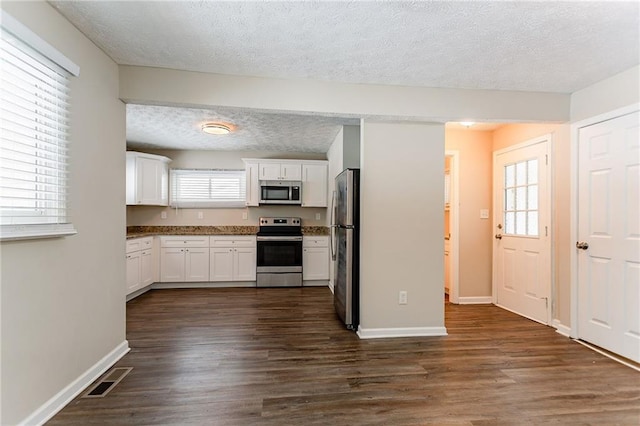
x=582, y=245
x=498, y=236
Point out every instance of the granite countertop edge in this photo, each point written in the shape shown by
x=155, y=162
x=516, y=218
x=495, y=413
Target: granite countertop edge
x=149, y=231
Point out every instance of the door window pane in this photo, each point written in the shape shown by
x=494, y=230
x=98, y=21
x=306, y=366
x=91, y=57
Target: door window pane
x=532, y=223
x=510, y=223
x=532, y=171
x=510, y=176
x=510, y=199
x=521, y=223
x=521, y=198
x=521, y=173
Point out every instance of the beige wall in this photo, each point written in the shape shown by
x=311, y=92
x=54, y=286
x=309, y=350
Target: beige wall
x=561, y=176
x=475, y=193
x=402, y=225
x=63, y=299
x=173, y=87
x=151, y=215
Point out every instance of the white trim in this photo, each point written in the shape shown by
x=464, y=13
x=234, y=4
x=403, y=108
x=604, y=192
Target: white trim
x=36, y=231
x=15, y=27
x=561, y=328
x=607, y=354
x=203, y=284
x=47, y=410
x=454, y=225
x=377, y=333
x=573, y=207
x=482, y=300
x=315, y=283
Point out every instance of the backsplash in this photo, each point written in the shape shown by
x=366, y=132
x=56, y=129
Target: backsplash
x=153, y=216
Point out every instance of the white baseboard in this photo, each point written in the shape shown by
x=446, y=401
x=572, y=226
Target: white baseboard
x=73, y=389
x=485, y=300
x=207, y=284
x=331, y=286
x=377, y=333
x=561, y=328
x=315, y=283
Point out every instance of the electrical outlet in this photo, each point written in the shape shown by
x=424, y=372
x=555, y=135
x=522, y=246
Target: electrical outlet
x=402, y=298
x=244, y=215
x=484, y=214
x=163, y=215
x=200, y=215
x=317, y=216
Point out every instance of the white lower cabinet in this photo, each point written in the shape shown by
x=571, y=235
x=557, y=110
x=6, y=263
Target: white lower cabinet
x=139, y=263
x=315, y=258
x=232, y=258
x=184, y=259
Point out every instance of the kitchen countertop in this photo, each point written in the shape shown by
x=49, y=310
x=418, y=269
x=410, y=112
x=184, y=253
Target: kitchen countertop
x=145, y=231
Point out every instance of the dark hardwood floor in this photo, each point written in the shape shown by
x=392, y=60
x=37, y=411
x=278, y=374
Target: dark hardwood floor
x=281, y=357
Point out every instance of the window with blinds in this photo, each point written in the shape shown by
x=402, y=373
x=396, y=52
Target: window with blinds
x=34, y=124
x=207, y=188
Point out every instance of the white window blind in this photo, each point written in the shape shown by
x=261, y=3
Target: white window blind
x=34, y=125
x=207, y=188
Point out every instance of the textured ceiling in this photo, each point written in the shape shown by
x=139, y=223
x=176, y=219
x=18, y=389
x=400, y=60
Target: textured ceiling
x=546, y=46
x=180, y=128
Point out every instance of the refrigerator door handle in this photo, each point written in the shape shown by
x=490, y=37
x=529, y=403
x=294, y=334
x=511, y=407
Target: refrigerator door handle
x=333, y=225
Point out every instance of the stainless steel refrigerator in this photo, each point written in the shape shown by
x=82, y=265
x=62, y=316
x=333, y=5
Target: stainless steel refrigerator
x=346, y=247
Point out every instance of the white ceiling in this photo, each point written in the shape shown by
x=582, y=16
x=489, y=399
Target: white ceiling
x=545, y=46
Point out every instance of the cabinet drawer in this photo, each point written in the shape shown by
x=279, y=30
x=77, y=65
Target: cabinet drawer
x=232, y=241
x=319, y=241
x=184, y=241
x=136, y=244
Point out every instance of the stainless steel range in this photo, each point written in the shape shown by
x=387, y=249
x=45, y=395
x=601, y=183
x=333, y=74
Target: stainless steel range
x=279, y=260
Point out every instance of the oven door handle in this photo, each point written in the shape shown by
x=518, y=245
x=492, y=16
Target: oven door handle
x=275, y=238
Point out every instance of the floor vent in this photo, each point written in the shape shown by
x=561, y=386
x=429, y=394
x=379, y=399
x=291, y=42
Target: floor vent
x=107, y=382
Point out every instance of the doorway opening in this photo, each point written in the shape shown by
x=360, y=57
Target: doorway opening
x=451, y=225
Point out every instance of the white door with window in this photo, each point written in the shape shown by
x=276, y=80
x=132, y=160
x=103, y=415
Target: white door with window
x=608, y=246
x=522, y=244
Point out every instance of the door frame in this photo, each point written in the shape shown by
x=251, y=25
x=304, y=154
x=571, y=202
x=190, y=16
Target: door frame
x=551, y=297
x=573, y=206
x=454, y=224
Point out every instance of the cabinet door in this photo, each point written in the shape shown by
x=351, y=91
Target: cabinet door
x=290, y=172
x=151, y=182
x=172, y=265
x=315, y=263
x=244, y=264
x=221, y=264
x=146, y=181
x=253, y=184
x=196, y=264
x=314, y=185
x=133, y=272
x=269, y=171
x=146, y=268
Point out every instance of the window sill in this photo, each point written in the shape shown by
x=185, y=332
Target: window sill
x=31, y=232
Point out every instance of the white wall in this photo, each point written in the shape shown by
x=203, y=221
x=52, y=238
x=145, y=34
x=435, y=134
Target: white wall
x=63, y=299
x=607, y=95
x=402, y=181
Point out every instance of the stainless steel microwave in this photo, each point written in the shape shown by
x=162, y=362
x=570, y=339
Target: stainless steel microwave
x=277, y=192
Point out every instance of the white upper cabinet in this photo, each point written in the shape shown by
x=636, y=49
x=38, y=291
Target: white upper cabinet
x=147, y=179
x=312, y=174
x=280, y=171
x=314, y=185
x=253, y=184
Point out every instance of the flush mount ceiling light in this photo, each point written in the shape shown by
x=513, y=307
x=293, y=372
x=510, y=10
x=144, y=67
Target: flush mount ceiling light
x=467, y=124
x=217, y=128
